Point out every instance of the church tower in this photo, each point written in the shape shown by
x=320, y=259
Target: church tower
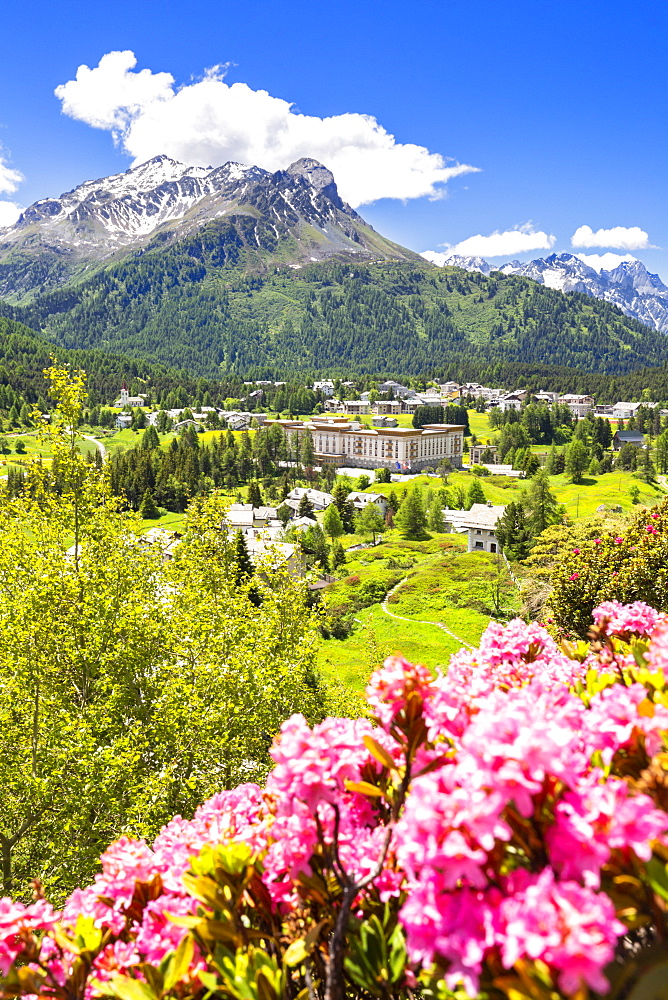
x=124, y=394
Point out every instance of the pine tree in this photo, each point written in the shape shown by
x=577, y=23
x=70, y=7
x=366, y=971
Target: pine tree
x=305, y=508
x=344, y=506
x=435, y=521
x=476, y=494
x=338, y=556
x=542, y=509
x=512, y=532
x=307, y=450
x=577, y=460
x=313, y=540
x=410, y=517
x=148, y=508
x=254, y=493
x=150, y=439
x=243, y=567
x=551, y=462
x=662, y=451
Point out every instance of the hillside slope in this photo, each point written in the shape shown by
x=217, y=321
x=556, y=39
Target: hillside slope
x=193, y=306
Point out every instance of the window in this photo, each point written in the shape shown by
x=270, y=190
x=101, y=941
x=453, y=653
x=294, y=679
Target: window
x=478, y=531
x=479, y=545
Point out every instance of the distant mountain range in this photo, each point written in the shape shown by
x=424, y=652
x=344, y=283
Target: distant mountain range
x=293, y=215
x=628, y=285
x=237, y=272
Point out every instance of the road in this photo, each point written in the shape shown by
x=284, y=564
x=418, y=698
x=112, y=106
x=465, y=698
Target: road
x=98, y=444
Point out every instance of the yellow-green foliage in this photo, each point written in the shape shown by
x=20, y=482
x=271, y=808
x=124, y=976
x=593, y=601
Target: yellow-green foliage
x=629, y=566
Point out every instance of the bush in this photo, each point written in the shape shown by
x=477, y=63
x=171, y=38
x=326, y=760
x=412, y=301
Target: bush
x=627, y=567
x=498, y=831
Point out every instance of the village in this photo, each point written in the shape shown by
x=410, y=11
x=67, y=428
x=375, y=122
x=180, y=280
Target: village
x=370, y=434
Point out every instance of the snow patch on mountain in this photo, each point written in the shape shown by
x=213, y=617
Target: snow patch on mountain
x=620, y=279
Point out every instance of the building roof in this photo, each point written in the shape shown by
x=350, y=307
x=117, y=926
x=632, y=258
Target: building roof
x=481, y=515
x=316, y=496
x=366, y=497
x=630, y=436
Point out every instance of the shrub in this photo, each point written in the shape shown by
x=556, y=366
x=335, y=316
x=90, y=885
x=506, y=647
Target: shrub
x=627, y=567
x=501, y=830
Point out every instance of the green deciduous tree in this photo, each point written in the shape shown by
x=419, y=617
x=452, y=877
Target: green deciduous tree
x=332, y=522
x=129, y=687
x=369, y=521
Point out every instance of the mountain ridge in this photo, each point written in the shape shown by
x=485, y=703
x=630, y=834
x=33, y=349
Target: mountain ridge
x=60, y=240
x=629, y=285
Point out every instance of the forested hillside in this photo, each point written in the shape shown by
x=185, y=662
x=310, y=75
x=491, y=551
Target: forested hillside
x=24, y=354
x=193, y=306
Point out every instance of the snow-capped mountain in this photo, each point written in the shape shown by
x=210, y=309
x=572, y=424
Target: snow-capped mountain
x=627, y=284
x=457, y=260
x=58, y=238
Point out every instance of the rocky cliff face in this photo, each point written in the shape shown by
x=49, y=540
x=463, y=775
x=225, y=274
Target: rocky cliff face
x=58, y=239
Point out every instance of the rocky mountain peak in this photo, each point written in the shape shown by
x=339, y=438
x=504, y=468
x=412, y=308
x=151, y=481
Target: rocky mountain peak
x=318, y=177
x=162, y=200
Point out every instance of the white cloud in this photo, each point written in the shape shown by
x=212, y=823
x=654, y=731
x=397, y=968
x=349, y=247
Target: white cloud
x=211, y=122
x=9, y=179
x=605, y=261
x=9, y=213
x=513, y=241
x=621, y=237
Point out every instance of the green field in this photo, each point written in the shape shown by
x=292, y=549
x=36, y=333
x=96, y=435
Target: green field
x=611, y=489
x=351, y=661
x=437, y=582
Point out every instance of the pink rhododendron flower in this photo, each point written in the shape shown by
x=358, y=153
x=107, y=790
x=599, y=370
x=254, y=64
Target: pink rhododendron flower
x=15, y=917
x=389, y=687
x=623, y=619
x=568, y=926
x=657, y=654
x=459, y=927
x=597, y=818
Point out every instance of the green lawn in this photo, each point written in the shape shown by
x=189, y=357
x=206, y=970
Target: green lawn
x=350, y=661
x=443, y=584
x=170, y=521
x=611, y=489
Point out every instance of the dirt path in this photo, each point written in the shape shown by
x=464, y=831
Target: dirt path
x=416, y=621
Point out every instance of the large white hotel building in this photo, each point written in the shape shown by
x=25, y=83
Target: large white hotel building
x=349, y=442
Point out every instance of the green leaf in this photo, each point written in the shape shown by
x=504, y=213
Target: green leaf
x=379, y=752
x=180, y=963
x=657, y=876
x=296, y=953
x=126, y=988
x=364, y=788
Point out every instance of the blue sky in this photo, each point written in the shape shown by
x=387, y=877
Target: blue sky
x=560, y=108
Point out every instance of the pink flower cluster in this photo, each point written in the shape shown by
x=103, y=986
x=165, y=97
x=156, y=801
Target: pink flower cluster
x=498, y=851
x=626, y=619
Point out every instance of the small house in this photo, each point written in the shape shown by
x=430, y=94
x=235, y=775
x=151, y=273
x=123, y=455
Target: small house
x=628, y=437
x=362, y=500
